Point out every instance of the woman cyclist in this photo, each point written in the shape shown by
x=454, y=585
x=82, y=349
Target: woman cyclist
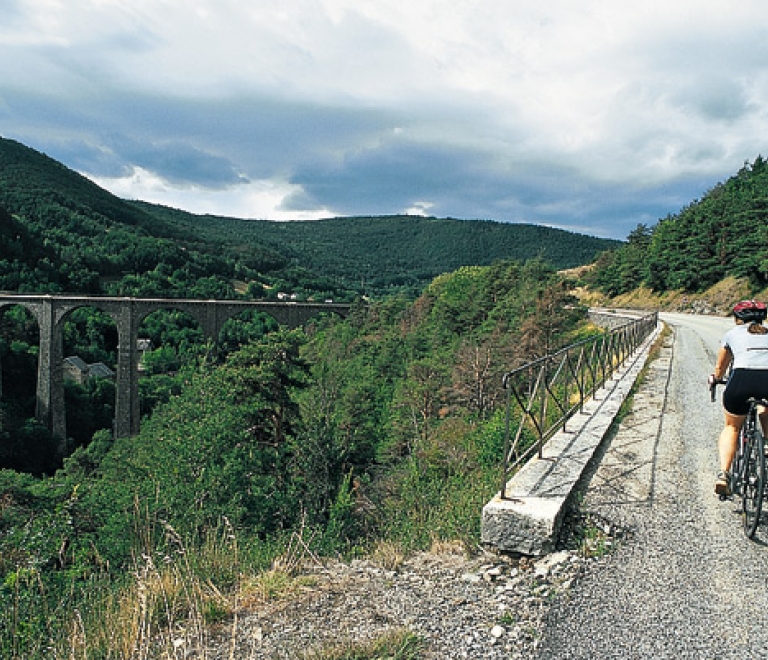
x=744, y=349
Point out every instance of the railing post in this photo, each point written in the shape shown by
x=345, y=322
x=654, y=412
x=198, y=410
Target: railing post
x=507, y=448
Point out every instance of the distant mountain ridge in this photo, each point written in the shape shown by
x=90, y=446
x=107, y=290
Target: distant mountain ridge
x=77, y=224
x=383, y=247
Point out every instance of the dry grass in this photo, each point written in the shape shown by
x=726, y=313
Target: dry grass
x=456, y=548
x=163, y=609
x=156, y=614
x=167, y=606
x=387, y=555
x=397, y=644
x=719, y=298
x=273, y=585
x=283, y=579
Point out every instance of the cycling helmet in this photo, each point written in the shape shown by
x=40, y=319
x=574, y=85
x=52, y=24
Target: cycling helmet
x=750, y=311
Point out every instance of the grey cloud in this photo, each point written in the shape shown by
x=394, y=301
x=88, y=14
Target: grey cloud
x=462, y=184
x=390, y=176
x=179, y=162
x=351, y=161
x=185, y=141
x=713, y=98
x=724, y=104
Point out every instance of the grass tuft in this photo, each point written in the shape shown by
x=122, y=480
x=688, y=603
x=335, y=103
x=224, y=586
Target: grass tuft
x=398, y=644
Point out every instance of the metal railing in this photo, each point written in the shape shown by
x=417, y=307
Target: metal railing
x=542, y=395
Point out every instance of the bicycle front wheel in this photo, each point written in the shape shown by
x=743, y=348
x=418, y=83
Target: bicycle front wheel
x=753, y=484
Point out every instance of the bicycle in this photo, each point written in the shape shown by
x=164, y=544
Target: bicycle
x=748, y=476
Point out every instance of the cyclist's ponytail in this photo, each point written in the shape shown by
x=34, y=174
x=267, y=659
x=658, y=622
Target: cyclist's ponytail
x=757, y=328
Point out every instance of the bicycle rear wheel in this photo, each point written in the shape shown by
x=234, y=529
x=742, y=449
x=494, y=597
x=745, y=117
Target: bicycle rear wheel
x=753, y=484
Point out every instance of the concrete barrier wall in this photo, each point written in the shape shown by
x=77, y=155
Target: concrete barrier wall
x=613, y=318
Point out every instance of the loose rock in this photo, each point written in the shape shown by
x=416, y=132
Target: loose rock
x=458, y=607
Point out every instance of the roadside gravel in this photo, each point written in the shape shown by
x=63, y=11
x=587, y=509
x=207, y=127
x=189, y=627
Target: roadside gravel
x=458, y=607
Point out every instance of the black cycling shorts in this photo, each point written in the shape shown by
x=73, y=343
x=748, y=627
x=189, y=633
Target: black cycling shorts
x=743, y=384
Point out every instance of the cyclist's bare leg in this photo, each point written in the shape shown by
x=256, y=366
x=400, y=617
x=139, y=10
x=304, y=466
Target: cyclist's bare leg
x=728, y=437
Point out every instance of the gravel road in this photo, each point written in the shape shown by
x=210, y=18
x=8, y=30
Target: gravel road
x=685, y=582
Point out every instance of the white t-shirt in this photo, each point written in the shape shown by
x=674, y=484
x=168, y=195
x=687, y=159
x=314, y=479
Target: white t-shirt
x=750, y=351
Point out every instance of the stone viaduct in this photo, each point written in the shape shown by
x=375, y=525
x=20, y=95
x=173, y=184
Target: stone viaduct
x=51, y=311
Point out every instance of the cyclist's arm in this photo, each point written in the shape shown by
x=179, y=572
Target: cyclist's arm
x=724, y=359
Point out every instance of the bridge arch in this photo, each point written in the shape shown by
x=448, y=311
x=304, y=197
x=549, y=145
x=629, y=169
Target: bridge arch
x=26, y=334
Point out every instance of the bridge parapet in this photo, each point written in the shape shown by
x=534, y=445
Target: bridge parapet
x=526, y=515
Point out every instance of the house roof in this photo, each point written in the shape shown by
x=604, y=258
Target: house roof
x=77, y=362
x=100, y=370
x=95, y=370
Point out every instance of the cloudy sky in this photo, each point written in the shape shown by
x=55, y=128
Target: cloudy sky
x=592, y=116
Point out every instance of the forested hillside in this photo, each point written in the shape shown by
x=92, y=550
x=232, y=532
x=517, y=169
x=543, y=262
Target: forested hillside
x=724, y=234
x=61, y=232
x=386, y=254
